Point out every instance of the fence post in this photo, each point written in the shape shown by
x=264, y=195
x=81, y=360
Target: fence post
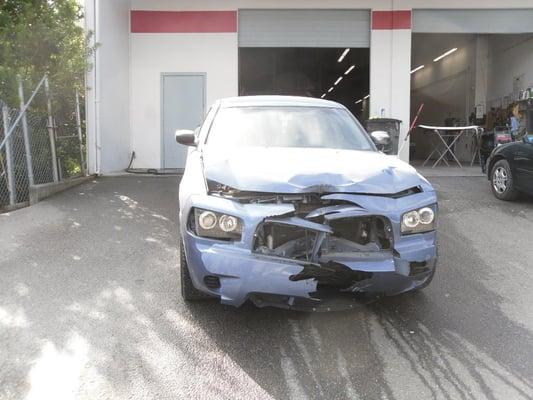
x=11, y=185
x=78, y=124
x=26, y=134
x=51, y=130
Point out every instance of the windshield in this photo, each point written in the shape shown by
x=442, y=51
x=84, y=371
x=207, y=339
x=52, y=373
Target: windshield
x=317, y=127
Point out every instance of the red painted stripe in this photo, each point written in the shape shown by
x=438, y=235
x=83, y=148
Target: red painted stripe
x=183, y=21
x=398, y=19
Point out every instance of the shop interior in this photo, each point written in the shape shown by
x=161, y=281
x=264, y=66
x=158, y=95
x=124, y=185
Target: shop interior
x=337, y=74
x=470, y=79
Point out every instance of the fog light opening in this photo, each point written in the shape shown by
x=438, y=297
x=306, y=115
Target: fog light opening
x=212, y=282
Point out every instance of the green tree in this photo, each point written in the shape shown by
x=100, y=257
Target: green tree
x=38, y=37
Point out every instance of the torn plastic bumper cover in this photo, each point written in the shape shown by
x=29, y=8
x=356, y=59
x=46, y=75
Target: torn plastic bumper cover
x=346, y=249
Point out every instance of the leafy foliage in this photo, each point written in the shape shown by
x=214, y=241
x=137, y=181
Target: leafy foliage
x=38, y=37
x=46, y=36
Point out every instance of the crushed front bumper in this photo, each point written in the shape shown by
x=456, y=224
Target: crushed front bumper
x=270, y=281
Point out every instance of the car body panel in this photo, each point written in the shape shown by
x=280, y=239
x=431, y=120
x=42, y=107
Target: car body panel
x=297, y=170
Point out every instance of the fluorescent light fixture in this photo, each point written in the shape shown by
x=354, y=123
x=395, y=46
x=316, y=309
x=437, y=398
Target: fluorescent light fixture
x=324, y=95
x=343, y=55
x=338, y=80
x=359, y=101
x=366, y=97
x=330, y=89
x=417, y=68
x=445, y=54
x=349, y=70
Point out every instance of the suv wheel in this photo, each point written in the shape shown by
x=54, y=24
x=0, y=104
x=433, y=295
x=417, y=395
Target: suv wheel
x=501, y=180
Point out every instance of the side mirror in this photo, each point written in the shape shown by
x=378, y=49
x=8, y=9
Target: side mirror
x=382, y=140
x=185, y=137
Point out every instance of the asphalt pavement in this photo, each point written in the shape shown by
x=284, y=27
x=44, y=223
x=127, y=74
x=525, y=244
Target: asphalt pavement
x=90, y=309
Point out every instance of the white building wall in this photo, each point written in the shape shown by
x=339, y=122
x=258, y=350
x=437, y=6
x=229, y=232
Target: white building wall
x=216, y=54
x=198, y=5
x=108, y=133
x=123, y=110
x=390, y=62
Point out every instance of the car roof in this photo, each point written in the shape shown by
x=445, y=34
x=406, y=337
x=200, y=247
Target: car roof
x=285, y=101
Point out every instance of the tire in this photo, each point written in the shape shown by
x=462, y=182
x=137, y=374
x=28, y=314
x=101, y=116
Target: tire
x=188, y=291
x=501, y=181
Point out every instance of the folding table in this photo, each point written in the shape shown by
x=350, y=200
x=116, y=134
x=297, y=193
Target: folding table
x=448, y=136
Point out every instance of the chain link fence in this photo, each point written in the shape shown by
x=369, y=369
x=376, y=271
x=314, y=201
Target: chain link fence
x=38, y=146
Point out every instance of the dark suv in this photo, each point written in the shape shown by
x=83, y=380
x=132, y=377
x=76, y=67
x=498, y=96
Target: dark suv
x=510, y=169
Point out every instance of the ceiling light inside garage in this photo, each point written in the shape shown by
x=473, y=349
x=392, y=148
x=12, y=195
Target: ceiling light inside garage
x=338, y=80
x=324, y=95
x=349, y=70
x=417, y=68
x=366, y=97
x=445, y=54
x=330, y=89
x=343, y=55
x=359, y=101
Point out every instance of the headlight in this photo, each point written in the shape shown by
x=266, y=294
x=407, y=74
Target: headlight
x=215, y=225
x=418, y=221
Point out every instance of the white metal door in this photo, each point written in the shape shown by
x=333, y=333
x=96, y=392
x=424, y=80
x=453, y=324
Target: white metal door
x=182, y=107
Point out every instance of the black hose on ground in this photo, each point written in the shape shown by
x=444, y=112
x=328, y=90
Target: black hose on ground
x=146, y=171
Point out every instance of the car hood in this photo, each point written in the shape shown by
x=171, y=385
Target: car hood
x=298, y=170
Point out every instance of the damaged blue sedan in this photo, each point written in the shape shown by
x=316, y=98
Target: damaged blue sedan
x=287, y=202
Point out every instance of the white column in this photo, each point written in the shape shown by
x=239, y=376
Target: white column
x=482, y=56
x=390, y=78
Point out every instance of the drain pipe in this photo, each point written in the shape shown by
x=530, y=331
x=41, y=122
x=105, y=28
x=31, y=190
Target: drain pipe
x=97, y=137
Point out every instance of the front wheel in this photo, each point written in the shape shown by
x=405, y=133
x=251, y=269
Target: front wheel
x=188, y=291
x=502, y=183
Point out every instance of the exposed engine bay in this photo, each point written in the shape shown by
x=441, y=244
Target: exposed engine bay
x=321, y=234
x=285, y=238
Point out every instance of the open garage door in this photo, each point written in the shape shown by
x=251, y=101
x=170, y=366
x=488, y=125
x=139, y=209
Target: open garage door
x=470, y=67
x=315, y=53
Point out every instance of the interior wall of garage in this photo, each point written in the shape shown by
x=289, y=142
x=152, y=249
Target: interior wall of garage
x=509, y=57
x=152, y=54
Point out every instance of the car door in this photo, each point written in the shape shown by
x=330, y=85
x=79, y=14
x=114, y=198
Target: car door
x=523, y=163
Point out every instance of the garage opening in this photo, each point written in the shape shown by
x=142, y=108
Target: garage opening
x=312, y=72
x=470, y=67
x=315, y=53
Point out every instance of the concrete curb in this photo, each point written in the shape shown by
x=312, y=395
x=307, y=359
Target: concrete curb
x=40, y=192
